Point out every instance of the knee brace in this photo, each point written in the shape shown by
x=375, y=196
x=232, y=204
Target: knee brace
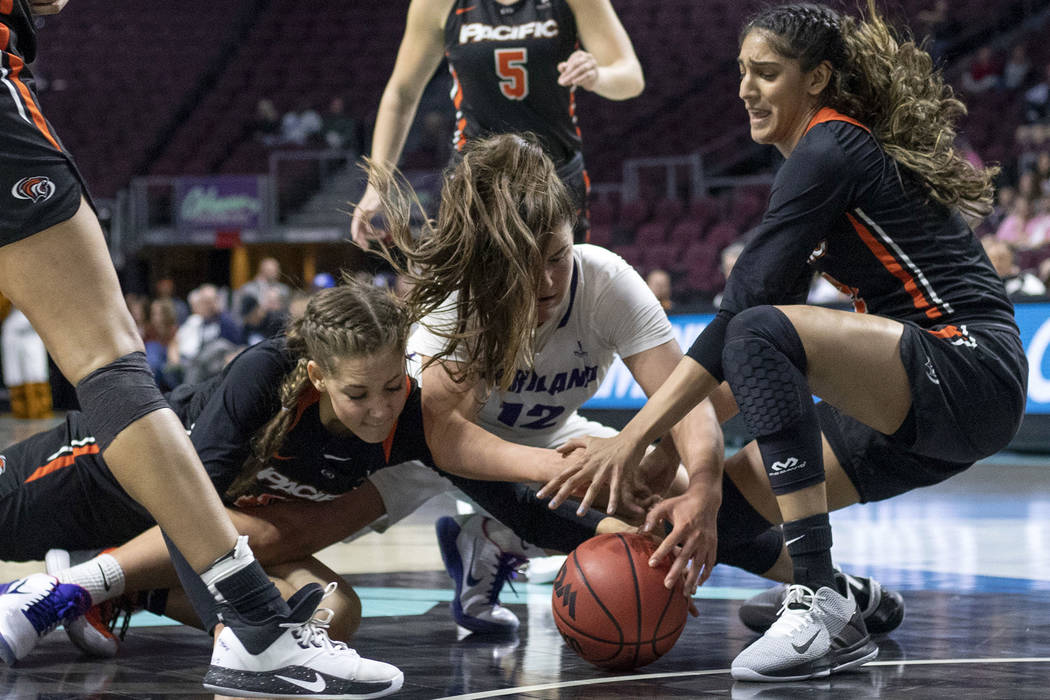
x=756, y=556
x=116, y=395
x=765, y=364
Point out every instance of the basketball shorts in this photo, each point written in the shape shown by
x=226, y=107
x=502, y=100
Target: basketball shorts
x=968, y=387
x=574, y=175
x=57, y=492
x=40, y=185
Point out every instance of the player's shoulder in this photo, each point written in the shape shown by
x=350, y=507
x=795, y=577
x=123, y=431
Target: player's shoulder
x=597, y=261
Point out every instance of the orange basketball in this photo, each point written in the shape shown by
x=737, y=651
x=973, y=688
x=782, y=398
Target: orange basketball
x=612, y=608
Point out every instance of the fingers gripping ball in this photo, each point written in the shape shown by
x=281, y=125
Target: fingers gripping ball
x=611, y=607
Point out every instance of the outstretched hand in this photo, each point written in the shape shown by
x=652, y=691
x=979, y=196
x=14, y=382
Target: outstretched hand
x=694, y=539
x=361, y=229
x=606, y=461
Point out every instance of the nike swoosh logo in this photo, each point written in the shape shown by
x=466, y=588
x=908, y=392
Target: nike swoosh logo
x=471, y=581
x=105, y=581
x=337, y=459
x=464, y=10
x=801, y=648
x=314, y=686
x=793, y=540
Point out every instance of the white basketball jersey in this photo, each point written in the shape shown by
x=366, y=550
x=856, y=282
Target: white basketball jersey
x=608, y=311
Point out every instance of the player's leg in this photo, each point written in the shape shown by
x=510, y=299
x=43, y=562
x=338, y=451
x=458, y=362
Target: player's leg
x=774, y=360
x=64, y=282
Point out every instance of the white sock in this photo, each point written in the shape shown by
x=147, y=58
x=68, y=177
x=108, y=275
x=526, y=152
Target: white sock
x=101, y=577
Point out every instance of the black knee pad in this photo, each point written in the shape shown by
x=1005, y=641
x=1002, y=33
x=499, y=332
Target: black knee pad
x=756, y=556
x=765, y=365
x=116, y=395
x=738, y=521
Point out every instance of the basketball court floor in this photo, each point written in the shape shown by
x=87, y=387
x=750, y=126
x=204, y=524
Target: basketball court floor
x=970, y=556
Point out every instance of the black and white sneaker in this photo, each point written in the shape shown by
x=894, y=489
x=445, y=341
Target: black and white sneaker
x=294, y=658
x=815, y=635
x=883, y=609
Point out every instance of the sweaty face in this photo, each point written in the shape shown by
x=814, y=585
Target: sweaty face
x=557, y=272
x=780, y=98
x=364, y=395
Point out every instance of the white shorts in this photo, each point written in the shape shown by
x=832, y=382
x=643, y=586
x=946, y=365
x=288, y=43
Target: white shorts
x=405, y=487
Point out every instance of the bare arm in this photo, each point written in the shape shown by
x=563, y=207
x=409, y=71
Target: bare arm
x=459, y=446
x=608, y=65
x=419, y=55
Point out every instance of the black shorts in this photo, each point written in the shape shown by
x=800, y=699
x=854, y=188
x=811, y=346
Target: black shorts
x=57, y=492
x=40, y=185
x=968, y=387
x=574, y=175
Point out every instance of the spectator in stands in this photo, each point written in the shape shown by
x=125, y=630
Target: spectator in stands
x=1043, y=272
x=301, y=126
x=1017, y=68
x=1014, y=228
x=985, y=72
x=1037, y=99
x=266, y=126
x=267, y=276
x=297, y=304
x=262, y=320
x=162, y=349
x=1018, y=282
x=1041, y=172
x=1004, y=202
x=208, y=327
x=659, y=282
x=1028, y=186
x=339, y=129
x=138, y=305
x=728, y=259
x=164, y=288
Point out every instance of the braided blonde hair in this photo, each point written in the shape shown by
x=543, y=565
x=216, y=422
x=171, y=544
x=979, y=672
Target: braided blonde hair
x=349, y=320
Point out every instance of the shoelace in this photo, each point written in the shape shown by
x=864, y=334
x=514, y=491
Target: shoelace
x=795, y=613
x=507, y=566
x=46, y=611
x=314, y=632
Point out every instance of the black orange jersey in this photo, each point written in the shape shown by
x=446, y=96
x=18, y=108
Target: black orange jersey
x=504, y=64
x=841, y=205
x=224, y=414
x=17, y=31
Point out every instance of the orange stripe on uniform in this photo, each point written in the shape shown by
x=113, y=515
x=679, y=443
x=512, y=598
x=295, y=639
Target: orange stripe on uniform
x=63, y=461
x=7, y=7
x=5, y=35
x=890, y=263
x=34, y=111
x=946, y=332
x=827, y=114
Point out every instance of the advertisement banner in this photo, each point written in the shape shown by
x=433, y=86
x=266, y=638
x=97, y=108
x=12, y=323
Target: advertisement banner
x=620, y=391
x=218, y=203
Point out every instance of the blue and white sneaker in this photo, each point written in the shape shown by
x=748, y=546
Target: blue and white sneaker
x=293, y=657
x=32, y=607
x=479, y=567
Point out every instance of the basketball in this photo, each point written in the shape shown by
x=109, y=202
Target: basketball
x=611, y=607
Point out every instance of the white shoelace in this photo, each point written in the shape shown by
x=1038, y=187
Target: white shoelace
x=792, y=619
x=315, y=630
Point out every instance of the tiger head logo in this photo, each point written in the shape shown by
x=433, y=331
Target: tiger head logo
x=34, y=188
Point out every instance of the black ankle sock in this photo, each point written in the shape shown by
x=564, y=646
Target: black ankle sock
x=809, y=544
x=252, y=595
